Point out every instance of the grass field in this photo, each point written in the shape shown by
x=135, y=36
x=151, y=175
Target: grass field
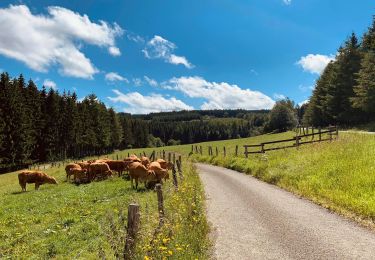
x=339, y=175
x=68, y=221
x=87, y=221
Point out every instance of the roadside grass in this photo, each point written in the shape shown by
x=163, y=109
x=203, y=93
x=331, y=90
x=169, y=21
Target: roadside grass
x=339, y=175
x=69, y=221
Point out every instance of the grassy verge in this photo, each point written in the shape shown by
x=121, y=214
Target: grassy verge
x=338, y=175
x=69, y=221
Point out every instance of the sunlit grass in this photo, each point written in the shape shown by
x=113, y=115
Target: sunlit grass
x=69, y=221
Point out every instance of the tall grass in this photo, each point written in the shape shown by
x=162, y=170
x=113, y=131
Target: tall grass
x=339, y=175
x=69, y=221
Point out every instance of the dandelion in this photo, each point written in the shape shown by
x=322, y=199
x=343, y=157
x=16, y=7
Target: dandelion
x=146, y=258
x=163, y=248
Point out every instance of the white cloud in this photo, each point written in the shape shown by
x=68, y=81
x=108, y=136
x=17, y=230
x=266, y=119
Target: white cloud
x=41, y=41
x=279, y=96
x=219, y=95
x=287, y=2
x=137, y=103
x=151, y=82
x=113, y=76
x=134, y=37
x=49, y=84
x=114, y=51
x=160, y=48
x=315, y=63
x=137, y=82
x=254, y=72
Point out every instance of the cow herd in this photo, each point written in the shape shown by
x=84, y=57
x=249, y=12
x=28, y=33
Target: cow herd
x=137, y=169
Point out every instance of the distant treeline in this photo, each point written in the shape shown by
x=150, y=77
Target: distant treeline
x=45, y=125
x=345, y=92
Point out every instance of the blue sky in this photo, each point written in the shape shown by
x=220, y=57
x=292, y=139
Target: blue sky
x=145, y=56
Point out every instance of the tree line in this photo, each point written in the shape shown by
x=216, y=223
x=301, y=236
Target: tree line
x=344, y=94
x=42, y=125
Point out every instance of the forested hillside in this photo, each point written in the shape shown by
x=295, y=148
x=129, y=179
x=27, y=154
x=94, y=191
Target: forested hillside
x=345, y=92
x=40, y=125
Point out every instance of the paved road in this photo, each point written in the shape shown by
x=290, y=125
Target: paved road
x=255, y=220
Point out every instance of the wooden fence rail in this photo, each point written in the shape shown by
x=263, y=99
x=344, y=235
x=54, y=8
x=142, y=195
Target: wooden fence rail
x=298, y=140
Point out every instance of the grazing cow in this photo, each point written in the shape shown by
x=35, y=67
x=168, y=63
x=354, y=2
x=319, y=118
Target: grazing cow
x=80, y=175
x=69, y=167
x=138, y=172
x=36, y=177
x=99, y=171
x=145, y=161
x=164, y=164
x=118, y=166
x=133, y=158
x=84, y=165
x=159, y=171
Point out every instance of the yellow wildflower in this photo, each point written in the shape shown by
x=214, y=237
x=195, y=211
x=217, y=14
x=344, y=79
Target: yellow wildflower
x=170, y=252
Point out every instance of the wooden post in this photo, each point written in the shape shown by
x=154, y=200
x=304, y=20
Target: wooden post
x=200, y=149
x=179, y=169
x=236, y=151
x=159, y=193
x=174, y=158
x=128, y=155
x=132, y=230
x=297, y=141
x=163, y=154
x=246, y=153
x=169, y=157
x=262, y=148
x=217, y=151
x=175, y=182
x=337, y=132
x=225, y=151
x=180, y=159
x=192, y=148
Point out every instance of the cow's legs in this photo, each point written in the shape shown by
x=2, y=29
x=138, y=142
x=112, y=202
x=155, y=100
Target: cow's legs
x=37, y=186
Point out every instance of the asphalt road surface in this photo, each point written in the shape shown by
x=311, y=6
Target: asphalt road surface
x=254, y=220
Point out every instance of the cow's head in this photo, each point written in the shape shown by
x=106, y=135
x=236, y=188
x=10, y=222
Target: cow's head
x=52, y=180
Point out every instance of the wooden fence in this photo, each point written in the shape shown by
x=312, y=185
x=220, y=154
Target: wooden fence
x=321, y=136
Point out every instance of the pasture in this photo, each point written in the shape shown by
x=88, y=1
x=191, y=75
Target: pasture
x=87, y=221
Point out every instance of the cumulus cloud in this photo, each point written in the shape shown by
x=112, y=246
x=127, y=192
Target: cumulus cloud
x=219, y=95
x=113, y=76
x=137, y=103
x=114, y=51
x=49, y=84
x=315, y=63
x=41, y=41
x=151, y=82
x=160, y=48
x=303, y=102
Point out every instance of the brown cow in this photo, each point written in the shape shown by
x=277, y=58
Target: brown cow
x=145, y=161
x=70, y=166
x=138, y=172
x=159, y=171
x=164, y=164
x=36, y=177
x=84, y=165
x=99, y=171
x=118, y=166
x=80, y=175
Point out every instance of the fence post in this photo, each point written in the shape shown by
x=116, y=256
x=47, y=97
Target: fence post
x=225, y=152
x=246, y=154
x=236, y=152
x=217, y=151
x=200, y=149
x=262, y=148
x=192, y=148
x=174, y=158
x=169, y=157
x=132, y=230
x=163, y=154
x=175, y=182
x=159, y=193
x=180, y=159
x=337, y=132
x=179, y=169
x=320, y=134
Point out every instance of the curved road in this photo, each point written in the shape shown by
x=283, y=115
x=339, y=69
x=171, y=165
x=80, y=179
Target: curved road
x=254, y=220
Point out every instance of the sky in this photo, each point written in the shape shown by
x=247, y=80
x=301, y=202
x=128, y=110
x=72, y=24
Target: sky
x=149, y=56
